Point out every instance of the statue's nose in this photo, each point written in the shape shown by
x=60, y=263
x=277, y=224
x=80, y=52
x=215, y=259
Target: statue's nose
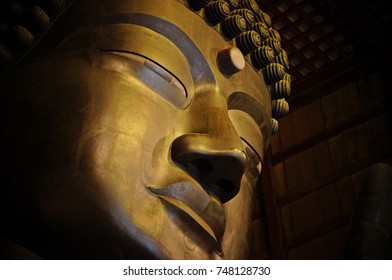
x=216, y=166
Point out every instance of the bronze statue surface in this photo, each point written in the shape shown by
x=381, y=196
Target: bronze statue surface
x=136, y=130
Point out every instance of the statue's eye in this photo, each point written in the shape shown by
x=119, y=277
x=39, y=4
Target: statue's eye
x=248, y=130
x=253, y=160
x=157, y=77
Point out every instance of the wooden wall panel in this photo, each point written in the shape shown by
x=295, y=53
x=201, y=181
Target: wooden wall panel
x=319, y=161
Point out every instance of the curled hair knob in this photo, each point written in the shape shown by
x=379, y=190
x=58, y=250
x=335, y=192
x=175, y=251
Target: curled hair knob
x=216, y=11
x=251, y=5
x=248, y=41
x=20, y=38
x=287, y=77
x=280, y=107
x=232, y=26
x=274, y=126
x=246, y=14
x=36, y=19
x=262, y=29
x=274, y=33
x=273, y=72
x=262, y=56
x=281, y=58
x=274, y=44
x=281, y=89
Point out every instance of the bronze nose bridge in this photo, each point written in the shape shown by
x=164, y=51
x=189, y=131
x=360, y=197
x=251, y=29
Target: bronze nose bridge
x=216, y=164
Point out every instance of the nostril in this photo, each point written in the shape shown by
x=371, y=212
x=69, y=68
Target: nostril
x=201, y=167
x=224, y=189
x=217, y=166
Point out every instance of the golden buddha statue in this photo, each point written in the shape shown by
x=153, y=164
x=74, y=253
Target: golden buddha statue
x=135, y=129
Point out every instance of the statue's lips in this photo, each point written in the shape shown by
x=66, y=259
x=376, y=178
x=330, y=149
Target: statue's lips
x=202, y=207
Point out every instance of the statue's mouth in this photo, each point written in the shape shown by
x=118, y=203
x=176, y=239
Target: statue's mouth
x=205, y=209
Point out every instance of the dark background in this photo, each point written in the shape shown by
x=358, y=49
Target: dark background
x=339, y=126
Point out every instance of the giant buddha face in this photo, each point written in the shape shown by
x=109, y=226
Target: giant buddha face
x=131, y=139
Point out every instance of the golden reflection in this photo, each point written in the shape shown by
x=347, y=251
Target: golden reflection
x=123, y=137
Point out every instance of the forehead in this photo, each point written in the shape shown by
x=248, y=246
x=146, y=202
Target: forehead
x=197, y=42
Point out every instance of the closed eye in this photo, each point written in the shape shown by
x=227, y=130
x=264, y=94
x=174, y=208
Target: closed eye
x=157, y=77
x=253, y=160
x=248, y=130
x=153, y=66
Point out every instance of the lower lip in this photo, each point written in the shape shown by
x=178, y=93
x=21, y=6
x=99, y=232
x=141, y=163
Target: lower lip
x=197, y=204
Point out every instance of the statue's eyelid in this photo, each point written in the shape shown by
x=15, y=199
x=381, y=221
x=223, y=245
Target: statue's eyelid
x=153, y=66
x=165, y=74
x=252, y=155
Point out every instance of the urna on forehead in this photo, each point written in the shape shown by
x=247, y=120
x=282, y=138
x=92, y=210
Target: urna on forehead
x=240, y=29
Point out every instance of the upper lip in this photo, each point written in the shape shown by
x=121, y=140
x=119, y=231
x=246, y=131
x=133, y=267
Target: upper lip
x=202, y=207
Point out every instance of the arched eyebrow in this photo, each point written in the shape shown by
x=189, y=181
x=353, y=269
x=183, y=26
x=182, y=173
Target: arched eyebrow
x=153, y=66
x=199, y=66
